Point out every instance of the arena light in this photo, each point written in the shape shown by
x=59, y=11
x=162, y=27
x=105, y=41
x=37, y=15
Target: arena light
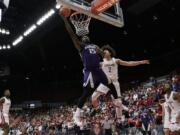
x=18, y=40
x=45, y=17
x=6, y=3
x=8, y=47
x=4, y=47
x=7, y=32
x=58, y=6
x=30, y=30
x=4, y=31
x=41, y=20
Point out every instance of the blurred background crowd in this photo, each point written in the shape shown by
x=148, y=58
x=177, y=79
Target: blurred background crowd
x=142, y=116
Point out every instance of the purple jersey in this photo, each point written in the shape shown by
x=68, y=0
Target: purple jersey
x=90, y=57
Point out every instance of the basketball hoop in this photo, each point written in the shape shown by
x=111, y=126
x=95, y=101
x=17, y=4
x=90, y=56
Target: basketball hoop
x=81, y=23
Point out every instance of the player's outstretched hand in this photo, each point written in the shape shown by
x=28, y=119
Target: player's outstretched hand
x=145, y=62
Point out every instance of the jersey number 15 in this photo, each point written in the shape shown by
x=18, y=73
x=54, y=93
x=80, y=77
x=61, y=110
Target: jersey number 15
x=92, y=51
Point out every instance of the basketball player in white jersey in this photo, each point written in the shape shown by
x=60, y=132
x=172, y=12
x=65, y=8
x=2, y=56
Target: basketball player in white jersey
x=174, y=105
x=166, y=110
x=5, y=104
x=110, y=67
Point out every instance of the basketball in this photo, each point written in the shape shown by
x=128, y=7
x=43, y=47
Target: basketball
x=64, y=11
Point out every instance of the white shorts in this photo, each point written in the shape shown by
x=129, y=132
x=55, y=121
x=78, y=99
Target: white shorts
x=4, y=118
x=174, y=125
x=104, y=89
x=116, y=84
x=166, y=123
x=117, y=87
x=1, y=118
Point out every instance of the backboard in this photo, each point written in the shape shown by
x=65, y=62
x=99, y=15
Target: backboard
x=113, y=16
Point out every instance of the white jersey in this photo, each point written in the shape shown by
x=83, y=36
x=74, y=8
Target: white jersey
x=174, y=104
x=6, y=106
x=110, y=68
x=175, y=111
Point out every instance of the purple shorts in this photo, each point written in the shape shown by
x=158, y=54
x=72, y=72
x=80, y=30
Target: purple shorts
x=94, y=78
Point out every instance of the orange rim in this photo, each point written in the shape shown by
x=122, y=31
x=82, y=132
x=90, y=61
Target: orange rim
x=75, y=13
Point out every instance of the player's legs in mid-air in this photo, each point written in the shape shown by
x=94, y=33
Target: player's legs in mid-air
x=116, y=98
x=95, y=79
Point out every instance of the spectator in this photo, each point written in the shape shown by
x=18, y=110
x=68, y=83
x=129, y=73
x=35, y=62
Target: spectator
x=107, y=124
x=144, y=115
x=97, y=130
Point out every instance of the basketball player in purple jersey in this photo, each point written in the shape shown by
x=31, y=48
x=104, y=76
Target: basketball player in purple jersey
x=94, y=77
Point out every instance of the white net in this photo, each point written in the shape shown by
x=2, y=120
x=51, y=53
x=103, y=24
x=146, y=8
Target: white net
x=81, y=23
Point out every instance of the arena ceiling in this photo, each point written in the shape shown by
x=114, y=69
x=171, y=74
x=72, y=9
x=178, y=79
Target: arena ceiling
x=47, y=59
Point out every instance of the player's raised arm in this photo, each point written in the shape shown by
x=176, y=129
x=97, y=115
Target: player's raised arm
x=132, y=63
x=76, y=41
x=100, y=51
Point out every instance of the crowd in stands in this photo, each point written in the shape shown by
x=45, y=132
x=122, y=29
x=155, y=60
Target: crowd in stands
x=143, y=116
